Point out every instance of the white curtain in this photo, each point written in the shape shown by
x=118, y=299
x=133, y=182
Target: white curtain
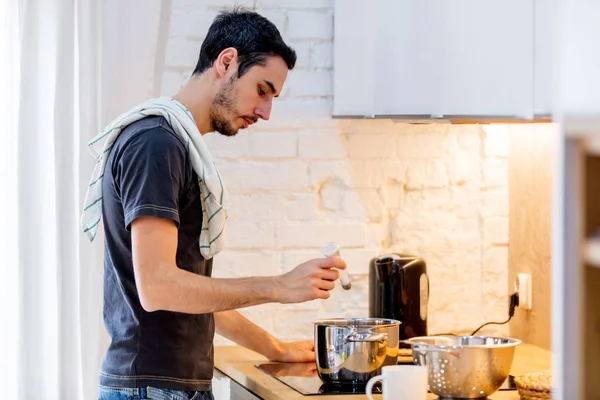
x=66, y=68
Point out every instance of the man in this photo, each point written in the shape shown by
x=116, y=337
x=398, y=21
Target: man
x=160, y=304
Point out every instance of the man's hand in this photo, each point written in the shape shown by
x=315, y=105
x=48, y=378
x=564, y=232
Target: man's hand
x=303, y=369
x=309, y=281
x=302, y=351
x=234, y=326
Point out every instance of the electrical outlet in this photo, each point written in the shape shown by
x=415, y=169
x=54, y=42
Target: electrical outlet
x=523, y=289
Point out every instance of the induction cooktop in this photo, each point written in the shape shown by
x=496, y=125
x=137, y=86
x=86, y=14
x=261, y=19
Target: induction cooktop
x=303, y=378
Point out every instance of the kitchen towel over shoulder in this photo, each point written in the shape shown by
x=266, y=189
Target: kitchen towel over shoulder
x=213, y=195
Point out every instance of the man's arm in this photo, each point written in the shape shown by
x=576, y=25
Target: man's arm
x=162, y=285
x=234, y=326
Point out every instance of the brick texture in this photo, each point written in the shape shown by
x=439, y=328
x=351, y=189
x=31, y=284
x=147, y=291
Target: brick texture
x=273, y=145
x=322, y=144
x=314, y=235
x=302, y=179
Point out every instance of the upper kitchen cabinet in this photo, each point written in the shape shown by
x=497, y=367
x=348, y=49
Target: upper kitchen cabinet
x=578, y=59
x=452, y=59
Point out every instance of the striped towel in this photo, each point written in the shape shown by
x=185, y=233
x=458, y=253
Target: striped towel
x=213, y=196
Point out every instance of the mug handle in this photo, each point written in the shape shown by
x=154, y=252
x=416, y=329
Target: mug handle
x=369, y=388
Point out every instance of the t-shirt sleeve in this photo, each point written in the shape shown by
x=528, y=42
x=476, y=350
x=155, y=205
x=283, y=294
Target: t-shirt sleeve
x=150, y=174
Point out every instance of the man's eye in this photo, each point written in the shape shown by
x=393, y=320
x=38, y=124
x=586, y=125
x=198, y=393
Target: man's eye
x=261, y=92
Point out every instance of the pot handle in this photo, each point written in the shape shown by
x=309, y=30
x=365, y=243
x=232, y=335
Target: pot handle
x=366, y=337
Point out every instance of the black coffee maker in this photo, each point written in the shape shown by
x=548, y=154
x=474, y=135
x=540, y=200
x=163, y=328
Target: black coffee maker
x=399, y=289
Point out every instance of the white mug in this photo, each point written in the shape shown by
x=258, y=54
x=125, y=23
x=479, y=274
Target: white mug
x=401, y=382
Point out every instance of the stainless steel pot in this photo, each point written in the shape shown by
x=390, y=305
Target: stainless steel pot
x=352, y=351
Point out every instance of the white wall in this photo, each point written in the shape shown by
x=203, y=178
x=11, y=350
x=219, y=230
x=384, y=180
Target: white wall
x=301, y=179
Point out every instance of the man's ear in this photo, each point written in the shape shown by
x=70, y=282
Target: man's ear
x=227, y=58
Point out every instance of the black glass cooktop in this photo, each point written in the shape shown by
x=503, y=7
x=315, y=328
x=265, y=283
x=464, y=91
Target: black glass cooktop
x=303, y=378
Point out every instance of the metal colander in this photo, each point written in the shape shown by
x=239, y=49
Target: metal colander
x=464, y=367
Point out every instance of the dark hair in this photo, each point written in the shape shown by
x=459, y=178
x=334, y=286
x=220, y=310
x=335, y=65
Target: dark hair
x=253, y=36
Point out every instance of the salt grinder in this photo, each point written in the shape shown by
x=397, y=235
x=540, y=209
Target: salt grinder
x=332, y=249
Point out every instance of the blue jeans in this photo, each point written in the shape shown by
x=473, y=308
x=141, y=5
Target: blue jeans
x=150, y=393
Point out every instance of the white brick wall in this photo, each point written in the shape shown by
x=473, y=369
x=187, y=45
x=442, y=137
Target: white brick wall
x=298, y=236
x=317, y=25
x=322, y=144
x=371, y=145
x=264, y=176
x=273, y=145
x=302, y=178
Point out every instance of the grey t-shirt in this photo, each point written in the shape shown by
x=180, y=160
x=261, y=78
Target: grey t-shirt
x=148, y=173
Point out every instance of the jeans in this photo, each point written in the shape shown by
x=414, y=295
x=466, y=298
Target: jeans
x=150, y=393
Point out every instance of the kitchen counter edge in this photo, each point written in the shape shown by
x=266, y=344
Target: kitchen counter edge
x=239, y=364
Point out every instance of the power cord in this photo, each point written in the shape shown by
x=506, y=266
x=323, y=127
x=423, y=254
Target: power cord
x=514, y=302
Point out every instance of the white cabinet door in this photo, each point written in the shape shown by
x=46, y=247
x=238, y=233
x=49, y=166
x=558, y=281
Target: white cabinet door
x=353, y=57
x=578, y=58
x=435, y=57
x=486, y=56
x=544, y=53
x=407, y=74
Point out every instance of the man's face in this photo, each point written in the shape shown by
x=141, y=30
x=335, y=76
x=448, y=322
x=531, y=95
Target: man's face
x=241, y=102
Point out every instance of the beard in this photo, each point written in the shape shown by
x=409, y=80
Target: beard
x=222, y=108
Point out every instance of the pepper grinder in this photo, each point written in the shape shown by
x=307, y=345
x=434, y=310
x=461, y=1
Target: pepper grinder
x=332, y=249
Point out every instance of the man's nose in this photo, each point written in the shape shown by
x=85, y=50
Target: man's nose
x=264, y=110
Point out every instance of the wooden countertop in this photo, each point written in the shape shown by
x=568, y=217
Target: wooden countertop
x=239, y=364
